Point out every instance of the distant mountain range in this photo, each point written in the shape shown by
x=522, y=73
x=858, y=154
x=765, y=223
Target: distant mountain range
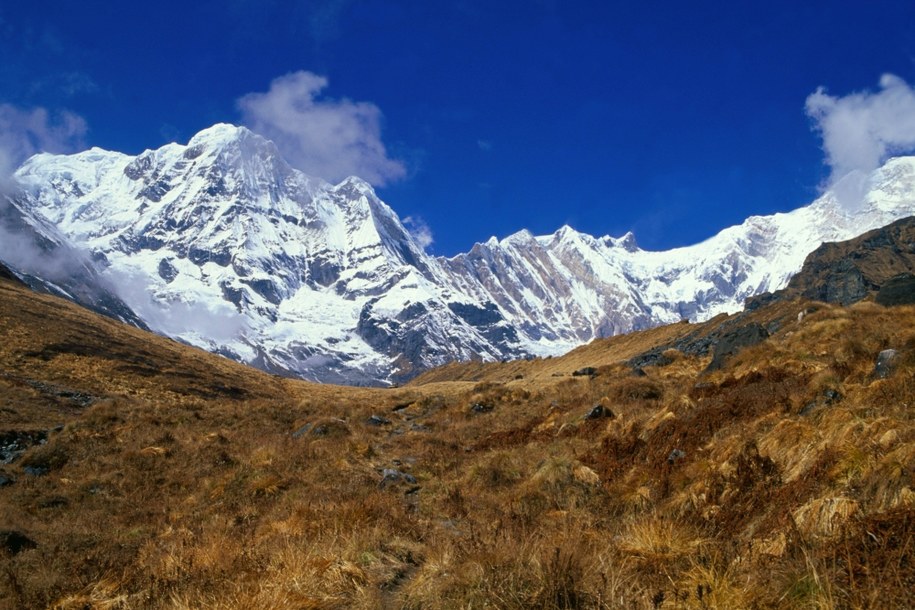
x=223, y=245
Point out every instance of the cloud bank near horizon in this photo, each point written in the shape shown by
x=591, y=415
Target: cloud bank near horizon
x=862, y=130
x=327, y=138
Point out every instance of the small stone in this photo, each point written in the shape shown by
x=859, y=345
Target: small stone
x=392, y=476
x=676, y=454
x=599, y=411
x=832, y=396
x=35, y=471
x=302, y=431
x=6, y=480
x=886, y=363
x=377, y=420
x=481, y=408
x=808, y=408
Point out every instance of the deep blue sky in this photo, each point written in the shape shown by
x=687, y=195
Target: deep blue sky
x=671, y=119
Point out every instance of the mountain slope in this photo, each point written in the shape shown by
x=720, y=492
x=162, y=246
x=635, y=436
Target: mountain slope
x=221, y=244
x=784, y=479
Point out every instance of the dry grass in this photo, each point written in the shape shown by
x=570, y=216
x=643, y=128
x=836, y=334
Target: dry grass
x=182, y=480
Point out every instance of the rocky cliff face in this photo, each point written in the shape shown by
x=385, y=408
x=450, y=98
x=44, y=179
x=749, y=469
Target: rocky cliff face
x=221, y=244
x=880, y=263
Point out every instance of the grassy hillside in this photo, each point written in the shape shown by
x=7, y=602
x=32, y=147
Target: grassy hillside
x=780, y=477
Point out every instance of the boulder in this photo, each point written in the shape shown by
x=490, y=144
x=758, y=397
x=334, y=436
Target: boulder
x=676, y=455
x=392, y=476
x=898, y=290
x=479, y=407
x=598, y=412
x=14, y=443
x=886, y=363
x=377, y=420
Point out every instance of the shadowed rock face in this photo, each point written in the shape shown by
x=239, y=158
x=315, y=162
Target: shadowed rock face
x=880, y=262
x=6, y=274
x=898, y=290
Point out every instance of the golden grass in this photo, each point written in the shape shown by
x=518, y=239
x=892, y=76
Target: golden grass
x=194, y=482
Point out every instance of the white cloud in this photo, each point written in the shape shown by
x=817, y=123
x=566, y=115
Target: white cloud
x=419, y=230
x=328, y=138
x=24, y=132
x=217, y=320
x=861, y=130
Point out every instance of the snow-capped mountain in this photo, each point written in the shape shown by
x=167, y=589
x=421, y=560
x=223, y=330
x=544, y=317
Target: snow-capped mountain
x=568, y=288
x=220, y=243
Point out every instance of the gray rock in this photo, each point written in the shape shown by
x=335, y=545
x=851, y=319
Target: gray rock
x=898, y=290
x=302, y=431
x=598, y=412
x=392, y=476
x=14, y=443
x=829, y=397
x=675, y=455
x=377, y=420
x=886, y=363
x=480, y=407
x=6, y=480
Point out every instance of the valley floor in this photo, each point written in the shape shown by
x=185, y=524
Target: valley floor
x=140, y=473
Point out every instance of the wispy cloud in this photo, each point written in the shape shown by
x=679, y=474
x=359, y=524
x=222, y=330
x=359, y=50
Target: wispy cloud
x=484, y=145
x=861, y=130
x=24, y=132
x=329, y=138
x=419, y=230
x=214, y=320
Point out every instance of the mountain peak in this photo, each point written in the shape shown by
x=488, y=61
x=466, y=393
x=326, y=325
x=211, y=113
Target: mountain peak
x=626, y=242
x=220, y=133
x=355, y=183
x=521, y=237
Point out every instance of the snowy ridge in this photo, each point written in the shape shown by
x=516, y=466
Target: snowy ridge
x=569, y=287
x=220, y=243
